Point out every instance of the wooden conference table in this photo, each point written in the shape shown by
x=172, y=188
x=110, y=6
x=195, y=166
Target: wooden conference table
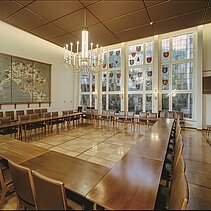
x=131, y=184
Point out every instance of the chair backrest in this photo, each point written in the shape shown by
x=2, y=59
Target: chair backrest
x=178, y=149
x=95, y=111
x=162, y=114
x=130, y=113
x=1, y=113
x=44, y=110
x=10, y=114
x=180, y=114
x=111, y=112
x=5, y=120
x=64, y=113
x=70, y=111
x=104, y=112
x=23, y=184
x=18, y=113
x=80, y=108
x=23, y=117
x=170, y=114
x=179, y=168
x=37, y=111
x=179, y=193
x=122, y=113
x=47, y=114
x=50, y=193
x=34, y=116
x=54, y=113
x=30, y=111
x=153, y=115
x=143, y=114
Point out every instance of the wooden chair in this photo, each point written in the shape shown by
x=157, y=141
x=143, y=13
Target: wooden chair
x=50, y=194
x=29, y=111
x=37, y=125
x=8, y=130
x=143, y=115
x=23, y=186
x=6, y=184
x=152, y=115
x=10, y=114
x=47, y=115
x=25, y=127
x=80, y=108
x=130, y=117
x=175, y=198
x=18, y=113
x=120, y=117
x=38, y=111
x=1, y=114
x=56, y=121
x=43, y=110
x=162, y=114
x=170, y=114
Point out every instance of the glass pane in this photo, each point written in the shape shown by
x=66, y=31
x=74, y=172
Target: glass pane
x=136, y=79
x=114, y=102
x=182, y=47
x=165, y=77
x=115, y=58
x=148, y=103
x=104, y=59
x=85, y=100
x=104, y=81
x=93, y=82
x=149, y=52
x=149, y=78
x=93, y=100
x=104, y=101
x=165, y=50
x=85, y=83
x=136, y=55
x=182, y=76
x=183, y=102
x=135, y=103
x=114, y=80
x=165, y=101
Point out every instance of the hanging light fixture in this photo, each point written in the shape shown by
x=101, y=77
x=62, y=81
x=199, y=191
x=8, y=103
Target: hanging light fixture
x=85, y=61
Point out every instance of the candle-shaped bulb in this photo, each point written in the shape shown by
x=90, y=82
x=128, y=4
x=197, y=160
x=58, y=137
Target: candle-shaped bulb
x=77, y=46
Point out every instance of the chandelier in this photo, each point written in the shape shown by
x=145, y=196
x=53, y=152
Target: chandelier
x=86, y=61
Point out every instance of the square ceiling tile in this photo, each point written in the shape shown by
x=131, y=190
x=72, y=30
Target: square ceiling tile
x=174, y=8
x=7, y=8
x=74, y=21
x=128, y=21
x=48, y=31
x=106, y=40
x=65, y=39
x=105, y=10
x=137, y=33
x=26, y=20
x=177, y=23
x=53, y=10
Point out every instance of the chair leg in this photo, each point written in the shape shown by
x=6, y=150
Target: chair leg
x=3, y=195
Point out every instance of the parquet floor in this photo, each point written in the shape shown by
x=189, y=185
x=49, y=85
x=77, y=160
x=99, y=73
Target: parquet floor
x=105, y=145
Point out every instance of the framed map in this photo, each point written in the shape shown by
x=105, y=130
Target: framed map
x=24, y=81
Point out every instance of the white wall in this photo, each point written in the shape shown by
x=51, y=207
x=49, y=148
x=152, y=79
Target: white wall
x=206, y=72
x=16, y=42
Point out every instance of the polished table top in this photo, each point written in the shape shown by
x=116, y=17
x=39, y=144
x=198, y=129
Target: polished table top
x=134, y=181
x=19, y=152
x=78, y=175
x=131, y=184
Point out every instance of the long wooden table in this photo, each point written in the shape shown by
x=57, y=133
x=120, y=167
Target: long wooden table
x=79, y=176
x=134, y=181
x=19, y=152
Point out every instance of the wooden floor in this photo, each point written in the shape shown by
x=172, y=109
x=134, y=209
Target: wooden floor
x=197, y=154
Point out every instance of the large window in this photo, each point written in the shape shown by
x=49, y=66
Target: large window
x=88, y=89
x=112, y=80
x=140, y=73
x=177, y=74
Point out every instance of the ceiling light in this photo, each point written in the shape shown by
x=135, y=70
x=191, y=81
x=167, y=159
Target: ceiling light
x=85, y=61
x=151, y=23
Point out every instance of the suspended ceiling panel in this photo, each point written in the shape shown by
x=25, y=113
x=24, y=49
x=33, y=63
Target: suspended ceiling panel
x=109, y=21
